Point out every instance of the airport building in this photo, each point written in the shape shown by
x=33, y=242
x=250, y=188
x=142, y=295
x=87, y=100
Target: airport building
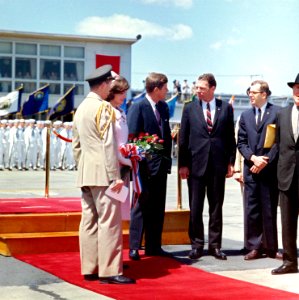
x=36, y=59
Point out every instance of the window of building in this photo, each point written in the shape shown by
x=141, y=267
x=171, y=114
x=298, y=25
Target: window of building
x=27, y=49
x=25, y=68
x=79, y=88
x=5, y=86
x=5, y=47
x=28, y=87
x=50, y=69
x=5, y=67
x=50, y=50
x=74, y=52
x=73, y=70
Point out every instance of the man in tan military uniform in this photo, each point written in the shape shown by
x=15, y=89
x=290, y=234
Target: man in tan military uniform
x=95, y=153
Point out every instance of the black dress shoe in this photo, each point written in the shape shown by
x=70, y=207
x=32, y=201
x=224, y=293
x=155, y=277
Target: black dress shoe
x=253, y=254
x=134, y=254
x=195, y=253
x=217, y=253
x=159, y=252
x=119, y=279
x=284, y=269
x=91, y=277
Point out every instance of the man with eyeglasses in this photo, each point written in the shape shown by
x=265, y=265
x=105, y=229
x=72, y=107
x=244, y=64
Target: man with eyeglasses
x=206, y=156
x=260, y=182
x=288, y=174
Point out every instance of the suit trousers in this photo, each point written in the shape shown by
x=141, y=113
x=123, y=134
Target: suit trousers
x=100, y=233
x=261, y=200
x=289, y=206
x=211, y=184
x=148, y=214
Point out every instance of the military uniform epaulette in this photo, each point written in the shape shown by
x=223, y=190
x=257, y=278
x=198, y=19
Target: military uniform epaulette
x=105, y=116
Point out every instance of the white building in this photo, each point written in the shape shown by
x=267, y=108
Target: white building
x=36, y=59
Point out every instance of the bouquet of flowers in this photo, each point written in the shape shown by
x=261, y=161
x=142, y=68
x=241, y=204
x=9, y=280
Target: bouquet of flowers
x=142, y=146
x=137, y=149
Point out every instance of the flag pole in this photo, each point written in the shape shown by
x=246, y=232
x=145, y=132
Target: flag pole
x=47, y=163
x=179, y=180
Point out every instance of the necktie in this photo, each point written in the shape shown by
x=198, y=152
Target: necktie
x=209, y=118
x=259, y=117
x=158, y=117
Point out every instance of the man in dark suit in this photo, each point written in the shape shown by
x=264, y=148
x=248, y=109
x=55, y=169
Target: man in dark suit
x=151, y=115
x=206, y=156
x=260, y=181
x=288, y=175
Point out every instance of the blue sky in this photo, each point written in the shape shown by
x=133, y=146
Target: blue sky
x=236, y=40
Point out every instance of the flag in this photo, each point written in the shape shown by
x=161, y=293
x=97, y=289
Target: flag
x=11, y=103
x=171, y=105
x=36, y=102
x=114, y=61
x=64, y=105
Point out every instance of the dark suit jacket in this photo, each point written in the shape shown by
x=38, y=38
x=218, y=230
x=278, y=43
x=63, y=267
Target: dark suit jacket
x=196, y=144
x=288, y=149
x=141, y=118
x=251, y=141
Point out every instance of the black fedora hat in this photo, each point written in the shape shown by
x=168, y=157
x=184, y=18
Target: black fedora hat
x=291, y=84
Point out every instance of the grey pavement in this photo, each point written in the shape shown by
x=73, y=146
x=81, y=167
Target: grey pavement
x=21, y=281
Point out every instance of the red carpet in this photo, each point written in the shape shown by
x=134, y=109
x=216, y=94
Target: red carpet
x=39, y=205
x=157, y=278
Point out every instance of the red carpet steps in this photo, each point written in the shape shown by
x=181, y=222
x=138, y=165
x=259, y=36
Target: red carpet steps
x=58, y=232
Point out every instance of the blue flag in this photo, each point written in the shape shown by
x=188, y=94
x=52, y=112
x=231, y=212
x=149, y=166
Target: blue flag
x=36, y=102
x=64, y=105
x=171, y=105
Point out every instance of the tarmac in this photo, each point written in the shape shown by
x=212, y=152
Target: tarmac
x=20, y=281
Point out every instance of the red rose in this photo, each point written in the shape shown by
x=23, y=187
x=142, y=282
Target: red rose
x=161, y=141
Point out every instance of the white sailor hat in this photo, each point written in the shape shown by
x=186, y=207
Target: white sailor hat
x=31, y=121
x=10, y=121
x=100, y=74
x=21, y=121
x=4, y=121
x=58, y=122
x=48, y=122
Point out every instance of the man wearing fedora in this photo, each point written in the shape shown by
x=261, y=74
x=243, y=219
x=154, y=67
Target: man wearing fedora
x=95, y=152
x=288, y=179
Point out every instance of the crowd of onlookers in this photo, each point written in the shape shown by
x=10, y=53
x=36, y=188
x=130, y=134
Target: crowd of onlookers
x=23, y=145
x=184, y=90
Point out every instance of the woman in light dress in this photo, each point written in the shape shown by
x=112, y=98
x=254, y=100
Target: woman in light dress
x=116, y=97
